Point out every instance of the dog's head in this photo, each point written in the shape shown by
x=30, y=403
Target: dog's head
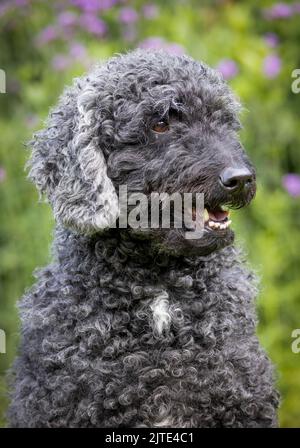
x=154, y=123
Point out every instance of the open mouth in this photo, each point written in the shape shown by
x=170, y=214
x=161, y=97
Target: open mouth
x=216, y=219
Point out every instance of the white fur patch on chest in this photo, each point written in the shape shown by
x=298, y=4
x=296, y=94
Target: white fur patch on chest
x=161, y=312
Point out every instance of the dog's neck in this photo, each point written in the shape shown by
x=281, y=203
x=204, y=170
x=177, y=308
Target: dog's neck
x=121, y=251
x=128, y=275
x=113, y=242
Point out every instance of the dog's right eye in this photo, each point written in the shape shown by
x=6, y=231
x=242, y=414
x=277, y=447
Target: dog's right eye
x=161, y=126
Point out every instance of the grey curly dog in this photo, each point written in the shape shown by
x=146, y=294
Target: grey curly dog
x=134, y=327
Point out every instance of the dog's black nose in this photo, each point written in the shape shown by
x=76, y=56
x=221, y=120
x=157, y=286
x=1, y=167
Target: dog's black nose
x=234, y=179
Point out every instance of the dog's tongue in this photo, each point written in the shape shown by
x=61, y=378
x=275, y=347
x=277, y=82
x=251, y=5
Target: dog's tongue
x=218, y=214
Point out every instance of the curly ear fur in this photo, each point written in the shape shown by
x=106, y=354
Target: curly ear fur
x=67, y=162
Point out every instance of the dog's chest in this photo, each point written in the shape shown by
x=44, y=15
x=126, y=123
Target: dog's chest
x=161, y=340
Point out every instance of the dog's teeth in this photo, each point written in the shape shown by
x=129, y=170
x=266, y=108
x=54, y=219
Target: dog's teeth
x=224, y=208
x=217, y=225
x=205, y=215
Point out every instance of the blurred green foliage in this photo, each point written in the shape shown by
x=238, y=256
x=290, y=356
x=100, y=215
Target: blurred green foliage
x=44, y=45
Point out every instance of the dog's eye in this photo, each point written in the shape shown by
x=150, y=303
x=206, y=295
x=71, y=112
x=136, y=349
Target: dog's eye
x=161, y=126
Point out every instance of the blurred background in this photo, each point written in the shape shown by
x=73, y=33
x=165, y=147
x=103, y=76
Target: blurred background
x=255, y=44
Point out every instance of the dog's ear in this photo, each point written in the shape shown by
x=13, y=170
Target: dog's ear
x=67, y=162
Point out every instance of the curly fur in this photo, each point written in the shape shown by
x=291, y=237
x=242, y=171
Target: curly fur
x=130, y=328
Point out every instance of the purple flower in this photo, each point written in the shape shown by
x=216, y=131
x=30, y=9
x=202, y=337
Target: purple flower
x=77, y=51
x=60, y=62
x=152, y=43
x=157, y=43
x=296, y=8
x=93, y=24
x=150, y=11
x=47, y=35
x=2, y=174
x=67, y=18
x=174, y=48
x=228, y=68
x=291, y=182
x=94, y=5
x=107, y=4
x=272, y=66
x=4, y=9
x=128, y=15
x=271, y=39
x=278, y=11
x=21, y=2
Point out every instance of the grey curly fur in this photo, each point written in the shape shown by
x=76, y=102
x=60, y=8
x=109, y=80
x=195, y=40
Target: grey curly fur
x=92, y=354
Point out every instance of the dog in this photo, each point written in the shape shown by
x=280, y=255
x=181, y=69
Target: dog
x=132, y=327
